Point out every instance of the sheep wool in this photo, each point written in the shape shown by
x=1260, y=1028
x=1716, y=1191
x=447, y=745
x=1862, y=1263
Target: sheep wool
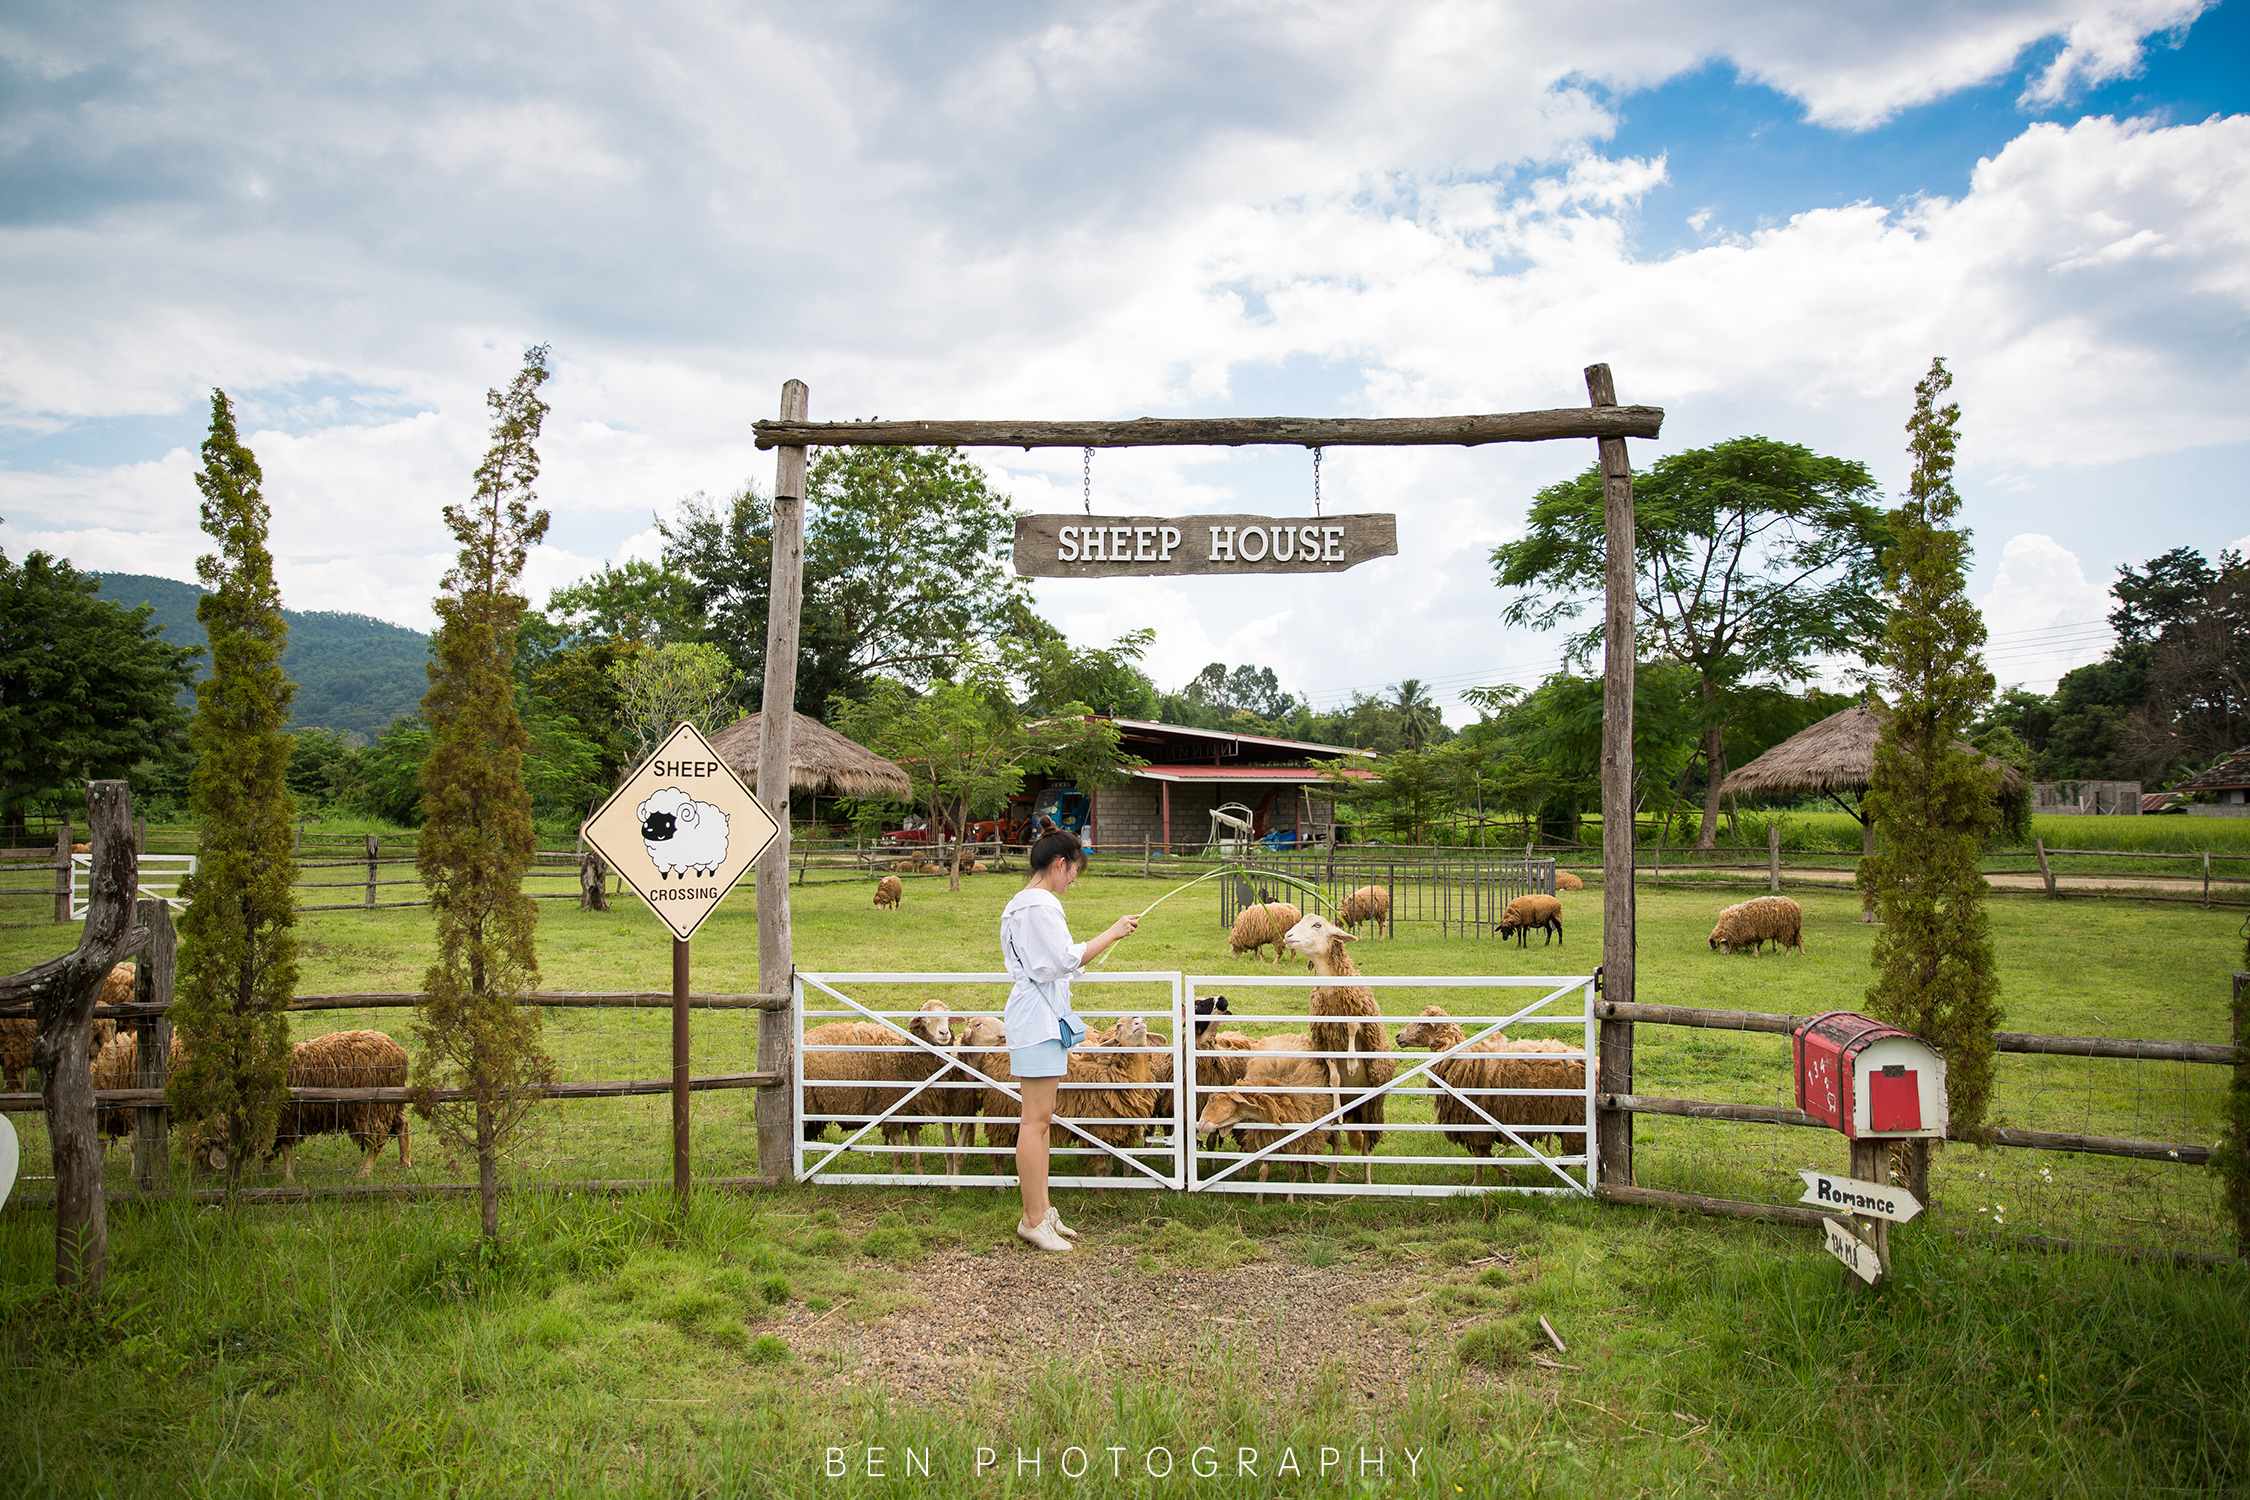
x=857, y=1086
x=1753, y=924
x=888, y=890
x=1372, y=1066
x=1259, y=1114
x=1260, y=925
x=17, y=1035
x=117, y=1066
x=1498, y=1062
x=1370, y=903
x=1124, y=1091
x=1527, y=912
x=1565, y=881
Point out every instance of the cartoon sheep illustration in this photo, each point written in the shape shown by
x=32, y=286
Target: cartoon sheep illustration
x=682, y=834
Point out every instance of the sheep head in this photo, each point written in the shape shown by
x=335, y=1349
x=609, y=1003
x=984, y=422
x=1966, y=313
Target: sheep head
x=1429, y=1032
x=1225, y=1111
x=1131, y=1032
x=985, y=1034
x=1315, y=937
x=935, y=1023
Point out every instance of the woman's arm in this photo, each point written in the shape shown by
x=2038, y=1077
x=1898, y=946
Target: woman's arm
x=1123, y=927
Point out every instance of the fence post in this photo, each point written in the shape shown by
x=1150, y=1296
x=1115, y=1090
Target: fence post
x=374, y=851
x=2241, y=1087
x=1773, y=856
x=152, y=1037
x=1145, y=848
x=1871, y=1163
x=2206, y=880
x=2046, y=871
x=62, y=870
x=140, y=832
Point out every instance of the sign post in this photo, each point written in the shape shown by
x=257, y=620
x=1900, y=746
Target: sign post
x=680, y=831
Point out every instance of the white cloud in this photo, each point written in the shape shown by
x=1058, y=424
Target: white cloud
x=2042, y=615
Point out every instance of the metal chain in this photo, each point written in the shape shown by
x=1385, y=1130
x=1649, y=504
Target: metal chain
x=1089, y=490
x=1316, y=482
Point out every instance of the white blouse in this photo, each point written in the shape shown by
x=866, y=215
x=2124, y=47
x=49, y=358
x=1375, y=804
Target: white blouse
x=1040, y=957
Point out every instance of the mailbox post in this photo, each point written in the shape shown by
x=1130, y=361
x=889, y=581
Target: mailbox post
x=1874, y=1084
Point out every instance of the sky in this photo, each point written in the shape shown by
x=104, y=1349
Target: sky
x=1765, y=217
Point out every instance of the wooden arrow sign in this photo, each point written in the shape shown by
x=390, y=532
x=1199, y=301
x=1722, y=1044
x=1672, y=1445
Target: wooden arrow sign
x=1857, y=1255
x=1068, y=546
x=1849, y=1195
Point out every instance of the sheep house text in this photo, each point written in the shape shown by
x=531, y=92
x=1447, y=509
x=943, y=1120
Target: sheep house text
x=1067, y=546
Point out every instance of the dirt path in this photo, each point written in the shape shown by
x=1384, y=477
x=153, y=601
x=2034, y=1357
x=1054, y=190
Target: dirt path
x=1000, y=1318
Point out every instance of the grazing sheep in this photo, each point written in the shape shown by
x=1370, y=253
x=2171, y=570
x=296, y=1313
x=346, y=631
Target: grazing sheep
x=1322, y=941
x=1526, y=912
x=16, y=1036
x=858, y=1086
x=1260, y=925
x=1498, y=1063
x=1565, y=881
x=887, y=892
x=1370, y=903
x=1259, y=1117
x=117, y=1066
x=1753, y=924
x=1127, y=1093
x=340, y=1060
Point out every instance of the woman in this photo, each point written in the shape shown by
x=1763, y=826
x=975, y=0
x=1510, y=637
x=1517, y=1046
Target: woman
x=1042, y=1028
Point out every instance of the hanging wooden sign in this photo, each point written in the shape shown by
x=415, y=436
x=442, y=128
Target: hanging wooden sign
x=1066, y=546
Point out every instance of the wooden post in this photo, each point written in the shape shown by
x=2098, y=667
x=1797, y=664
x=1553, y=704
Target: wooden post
x=785, y=597
x=62, y=871
x=1871, y=1163
x=1613, y=1128
x=1145, y=850
x=152, y=1036
x=140, y=832
x=374, y=855
x=2206, y=880
x=2242, y=1086
x=1773, y=856
x=2046, y=871
x=680, y=1067
x=1866, y=848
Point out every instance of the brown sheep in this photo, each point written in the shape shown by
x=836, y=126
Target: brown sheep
x=858, y=1086
x=1526, y=912
x=887, y=893
x=117, y=1066
x=1322, y=941
x=1753, y=924
x=1370, y=903
x=1260, y=925
x=17, y=1035
x=981, y=1044
x=1497, y=1063
x=1565, y=881
x=1126, y=1093
x=1259, y=1117
x=340, y=1060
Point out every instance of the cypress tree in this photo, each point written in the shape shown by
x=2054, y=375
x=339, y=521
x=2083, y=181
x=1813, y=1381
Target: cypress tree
x=1932, y=801
x=477, y=837
x=238, y=946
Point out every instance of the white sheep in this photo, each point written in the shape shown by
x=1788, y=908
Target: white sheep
x=682, y=834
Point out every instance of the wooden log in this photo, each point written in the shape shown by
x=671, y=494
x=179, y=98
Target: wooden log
x=2103, y=1046
x=1062, y=545
x=1733, y=1208
x=1691, y=1015
x=2046, y=871
x=374, y=861
x=152, y=1035
x=545, y=999
x=412, y=1190
x=1710, y=1109
x=2103, y=1145
x=1606, y=420
x=1615, y=1127
x=136, y=1098
x=62, y=872
x=1773, y=857
x=2186, y=1260
x=1871, y=1163
x=785, y=595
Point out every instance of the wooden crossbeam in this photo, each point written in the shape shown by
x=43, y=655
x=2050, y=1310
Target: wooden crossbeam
x=1226, y=432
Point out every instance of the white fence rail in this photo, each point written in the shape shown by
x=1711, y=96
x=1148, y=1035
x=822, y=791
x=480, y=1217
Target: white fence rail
x=888, y=1116
x=161, y=875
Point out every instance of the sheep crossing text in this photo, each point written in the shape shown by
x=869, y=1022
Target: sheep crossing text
x=1067, y=546
x=681, y=830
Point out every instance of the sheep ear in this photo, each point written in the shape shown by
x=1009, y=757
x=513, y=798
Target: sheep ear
x=1342, y=936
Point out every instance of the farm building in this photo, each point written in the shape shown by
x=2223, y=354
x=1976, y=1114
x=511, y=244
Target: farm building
x=1192, y=773
x=2228, y=784
x=2087, y=797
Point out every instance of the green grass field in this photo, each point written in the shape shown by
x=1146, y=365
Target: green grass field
x=612, y=1346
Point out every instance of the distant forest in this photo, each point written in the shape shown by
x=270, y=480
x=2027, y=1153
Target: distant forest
x=354, y=673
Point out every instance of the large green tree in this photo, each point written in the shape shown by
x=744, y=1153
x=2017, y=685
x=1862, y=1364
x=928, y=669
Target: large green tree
x=88, y=690
x=1932, y=799
x=238, y=943
x=1754, y=559
x=472, y=1032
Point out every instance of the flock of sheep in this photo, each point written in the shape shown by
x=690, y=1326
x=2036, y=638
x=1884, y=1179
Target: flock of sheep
x=343, y=1059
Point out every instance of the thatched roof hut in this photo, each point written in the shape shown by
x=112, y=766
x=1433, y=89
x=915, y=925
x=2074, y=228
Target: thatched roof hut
x=1835, y=755
x=821, y=761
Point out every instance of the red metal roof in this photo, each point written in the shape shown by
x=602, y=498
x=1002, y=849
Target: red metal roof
x=1284, y=775
x=1228, y=742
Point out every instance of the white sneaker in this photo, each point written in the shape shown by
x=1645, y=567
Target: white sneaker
x=1054, y=1222
x=1042, y=1234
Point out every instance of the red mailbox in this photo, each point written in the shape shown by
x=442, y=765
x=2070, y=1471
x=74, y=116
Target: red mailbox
x=1867, y=1079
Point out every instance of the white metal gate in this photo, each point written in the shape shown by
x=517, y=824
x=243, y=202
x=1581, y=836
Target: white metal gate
x=910, y=1108
x=1140, y=1155
x=160, y=878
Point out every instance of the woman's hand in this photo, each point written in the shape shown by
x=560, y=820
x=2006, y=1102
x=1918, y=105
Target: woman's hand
x=1123, y=927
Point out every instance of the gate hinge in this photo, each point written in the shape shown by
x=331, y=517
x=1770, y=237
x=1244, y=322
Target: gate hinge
x=1597, y=979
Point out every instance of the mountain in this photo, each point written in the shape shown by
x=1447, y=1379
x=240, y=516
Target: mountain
x=353, y=673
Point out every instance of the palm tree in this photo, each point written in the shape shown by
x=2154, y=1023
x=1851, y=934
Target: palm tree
x=1417, y=715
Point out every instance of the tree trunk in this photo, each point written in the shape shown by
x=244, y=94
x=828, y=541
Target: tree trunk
x=1714, y=772
x=488, y=1174
x=593, y=883
x=62, y=992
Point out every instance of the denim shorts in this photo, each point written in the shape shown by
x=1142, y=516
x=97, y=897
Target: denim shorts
x=1040, y=1060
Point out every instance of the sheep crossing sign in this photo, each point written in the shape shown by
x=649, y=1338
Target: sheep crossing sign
x=682, y=830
